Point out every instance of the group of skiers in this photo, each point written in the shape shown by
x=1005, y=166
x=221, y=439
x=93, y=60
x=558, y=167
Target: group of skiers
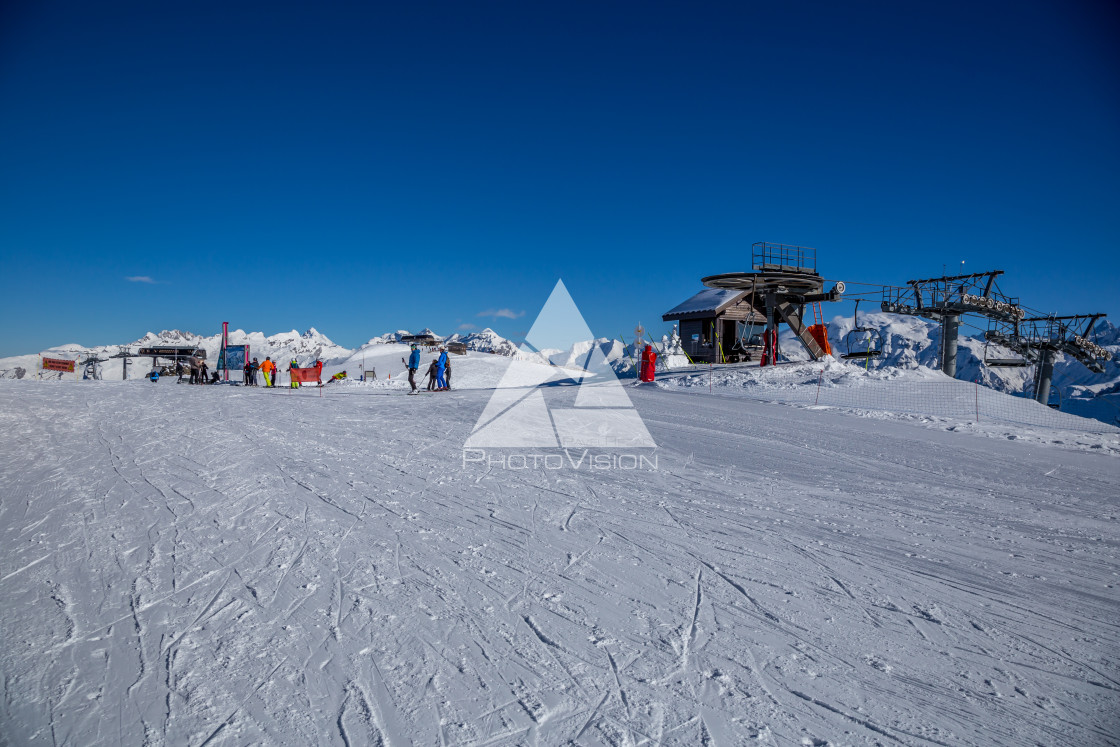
x=270, y=372
x=196, y=367
x=198, y=371
x=439, y=371
x=267, y=370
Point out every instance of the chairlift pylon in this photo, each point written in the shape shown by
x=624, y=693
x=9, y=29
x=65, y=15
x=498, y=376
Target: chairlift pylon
x=868, y=338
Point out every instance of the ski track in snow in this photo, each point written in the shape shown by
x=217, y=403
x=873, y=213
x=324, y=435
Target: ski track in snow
x=189, y=565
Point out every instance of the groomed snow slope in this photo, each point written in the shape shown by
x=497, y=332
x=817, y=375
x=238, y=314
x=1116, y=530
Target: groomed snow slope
x=221, y=565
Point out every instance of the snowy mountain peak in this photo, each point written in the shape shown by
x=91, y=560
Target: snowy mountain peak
x=488, y=341
x=169, y=337
x=1105, y=333
x=388, y=338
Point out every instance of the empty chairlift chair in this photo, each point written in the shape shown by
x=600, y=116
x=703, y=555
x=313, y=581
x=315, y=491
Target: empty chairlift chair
x=992, y=361
x=862, y=343
x=748, y=339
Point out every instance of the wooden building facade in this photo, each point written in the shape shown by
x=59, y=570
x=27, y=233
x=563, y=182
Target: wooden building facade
x=709, y=325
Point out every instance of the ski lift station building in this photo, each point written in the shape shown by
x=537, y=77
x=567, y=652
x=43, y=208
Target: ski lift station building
x=708, y=323
x=740, y=311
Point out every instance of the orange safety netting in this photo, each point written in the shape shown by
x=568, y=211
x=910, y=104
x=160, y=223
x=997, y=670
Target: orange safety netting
x=306, y=375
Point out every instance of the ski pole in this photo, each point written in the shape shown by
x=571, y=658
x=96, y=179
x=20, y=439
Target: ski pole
x=662, y=356
x=632, y=363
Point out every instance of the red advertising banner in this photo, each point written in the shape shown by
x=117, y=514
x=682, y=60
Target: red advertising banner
x=306, y=375
x=58, y=364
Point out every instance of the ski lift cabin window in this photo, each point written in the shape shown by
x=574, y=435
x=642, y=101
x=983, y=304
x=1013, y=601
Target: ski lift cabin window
x=716, y=325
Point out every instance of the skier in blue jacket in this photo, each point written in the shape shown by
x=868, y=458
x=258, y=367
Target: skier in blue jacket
x=441, y=368
x=413, y=364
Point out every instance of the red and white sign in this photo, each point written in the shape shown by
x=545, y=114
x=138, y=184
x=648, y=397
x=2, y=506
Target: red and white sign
x=58, y=364
x=306, y=375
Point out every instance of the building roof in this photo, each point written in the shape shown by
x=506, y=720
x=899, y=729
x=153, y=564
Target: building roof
x=707, y=302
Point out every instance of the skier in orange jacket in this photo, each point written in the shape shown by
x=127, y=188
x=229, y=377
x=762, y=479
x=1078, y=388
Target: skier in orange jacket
x=269, y=369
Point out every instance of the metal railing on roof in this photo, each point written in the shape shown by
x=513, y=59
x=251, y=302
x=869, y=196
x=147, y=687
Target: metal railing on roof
x=770, y=257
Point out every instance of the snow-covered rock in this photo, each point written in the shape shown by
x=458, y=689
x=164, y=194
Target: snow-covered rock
x=672, y=353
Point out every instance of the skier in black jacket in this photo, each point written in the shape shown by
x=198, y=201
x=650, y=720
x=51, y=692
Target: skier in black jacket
x=432, y=372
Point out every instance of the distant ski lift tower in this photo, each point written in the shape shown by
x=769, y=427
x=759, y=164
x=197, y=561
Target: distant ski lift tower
x=783, y=279
x=1039, y=338
x=91, y=366
x=125, y=354
x=945, y=299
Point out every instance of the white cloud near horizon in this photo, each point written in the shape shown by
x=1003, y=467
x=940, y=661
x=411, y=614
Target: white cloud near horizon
x=467, y=326
x=140, y=279
x=502, y=313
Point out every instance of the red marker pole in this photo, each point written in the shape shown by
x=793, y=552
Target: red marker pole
x=225, y=344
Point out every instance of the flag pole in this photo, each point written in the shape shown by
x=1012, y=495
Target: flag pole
x=225, y=345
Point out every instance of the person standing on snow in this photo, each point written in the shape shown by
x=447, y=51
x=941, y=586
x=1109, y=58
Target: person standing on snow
x=413, y=365
x=447, y=371
x=269, y=370
x=253, y=368
x=441, y=370
x=293, y=364
x=432, y=368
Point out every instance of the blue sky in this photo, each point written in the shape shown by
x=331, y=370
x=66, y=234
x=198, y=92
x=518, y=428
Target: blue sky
x=368, y=167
